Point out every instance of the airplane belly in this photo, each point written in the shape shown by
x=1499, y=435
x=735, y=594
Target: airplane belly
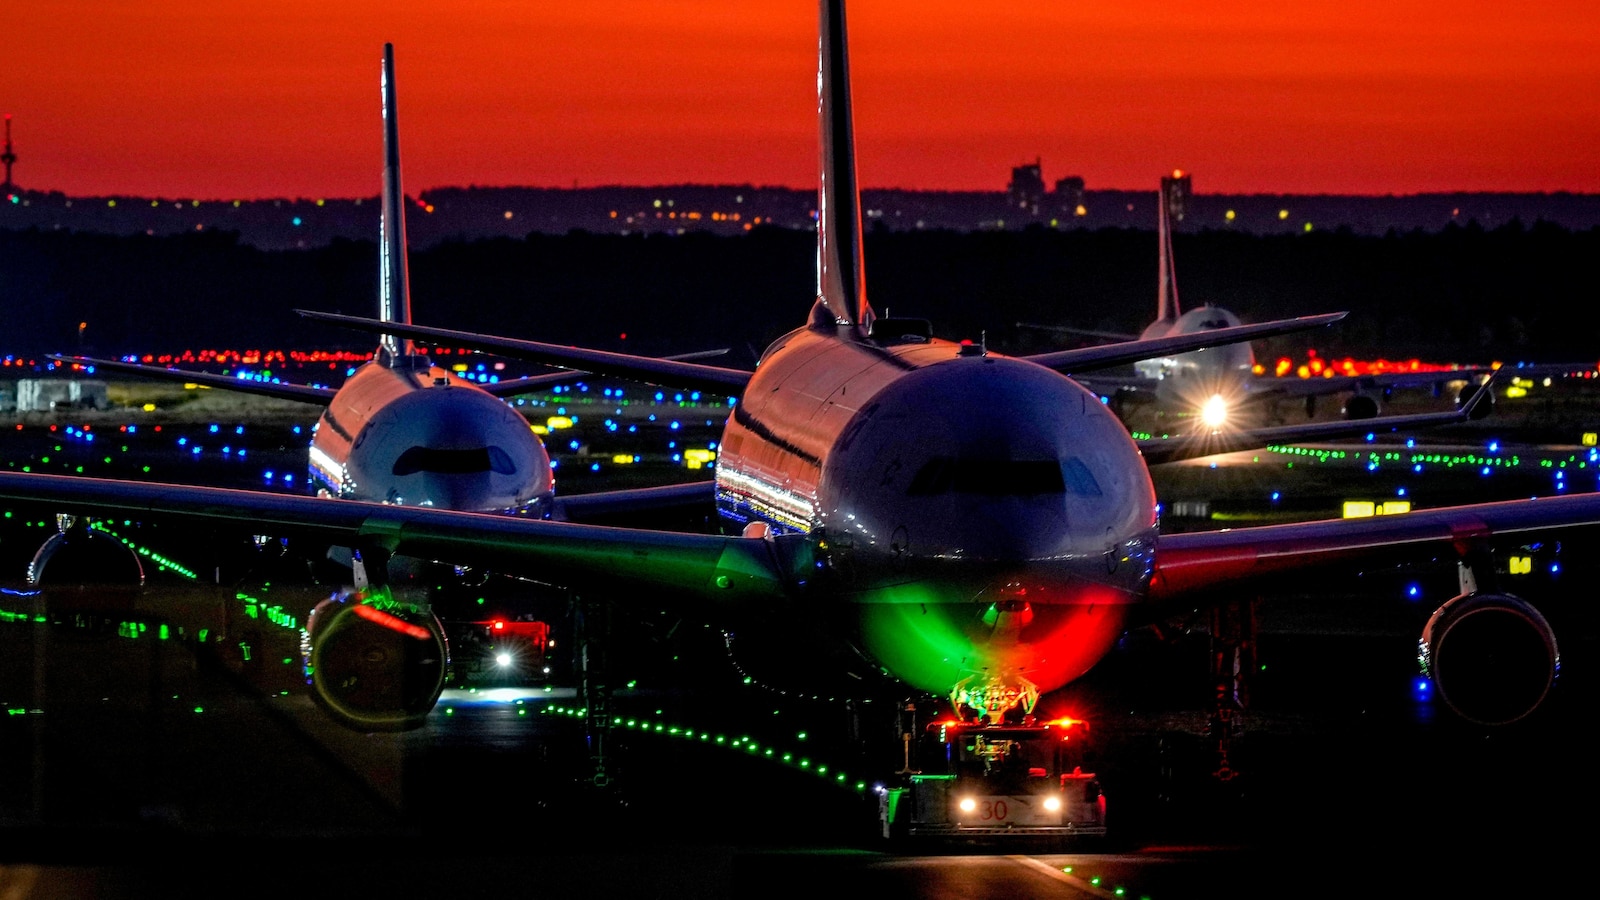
x=935, y=642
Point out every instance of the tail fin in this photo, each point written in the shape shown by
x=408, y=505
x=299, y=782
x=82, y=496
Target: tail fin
x=394, y=298
x=1167, y=308
x=841, y=278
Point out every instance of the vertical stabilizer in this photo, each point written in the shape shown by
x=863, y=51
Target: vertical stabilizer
x=394, y=296
x=841, y=279
x=1167, y=283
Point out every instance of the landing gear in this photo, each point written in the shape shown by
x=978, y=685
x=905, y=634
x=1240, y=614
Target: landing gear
x=591, y=628
x=1233, y=658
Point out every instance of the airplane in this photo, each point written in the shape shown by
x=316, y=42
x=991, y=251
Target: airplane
x=908, y=511
x=1217, y=384
x=399, y=429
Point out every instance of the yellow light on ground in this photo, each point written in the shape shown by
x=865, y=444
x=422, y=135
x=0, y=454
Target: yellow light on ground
x=1521, y=565
x=149, y=407
x=555, y=422
x=1215, y=412
x=1514, y=392
x=1589, y=438
x=622, y=459
x=539, y=429
x=1362, y=509
x=698, y=457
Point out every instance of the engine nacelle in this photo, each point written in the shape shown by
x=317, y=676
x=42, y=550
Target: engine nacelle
x=375, y=664
x=1361, y=406
x=1492, y=657
x=81, y=555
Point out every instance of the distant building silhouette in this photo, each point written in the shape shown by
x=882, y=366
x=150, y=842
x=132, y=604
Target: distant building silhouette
x=1069, y=197
x=1026, y=190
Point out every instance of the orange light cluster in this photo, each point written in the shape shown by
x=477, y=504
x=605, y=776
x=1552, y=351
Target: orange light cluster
x=1316, y=367
x=254, y=357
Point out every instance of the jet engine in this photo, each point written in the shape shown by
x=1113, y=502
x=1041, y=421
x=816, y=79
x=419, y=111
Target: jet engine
x=81, y=555
x=1360, y=405
x=376, y=664
x=1492, y=657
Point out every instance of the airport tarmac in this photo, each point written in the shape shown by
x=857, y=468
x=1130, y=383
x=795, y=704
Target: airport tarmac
x=127, y=765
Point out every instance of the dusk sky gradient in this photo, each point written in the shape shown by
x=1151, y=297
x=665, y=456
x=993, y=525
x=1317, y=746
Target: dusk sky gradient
x=214, y=99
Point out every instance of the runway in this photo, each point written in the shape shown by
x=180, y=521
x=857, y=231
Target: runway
x=128, y=761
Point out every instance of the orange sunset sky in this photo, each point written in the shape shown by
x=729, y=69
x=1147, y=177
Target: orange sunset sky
x=217, y=99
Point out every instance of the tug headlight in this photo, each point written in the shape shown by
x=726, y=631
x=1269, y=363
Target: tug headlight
x=1052, y=803
x=968, y=804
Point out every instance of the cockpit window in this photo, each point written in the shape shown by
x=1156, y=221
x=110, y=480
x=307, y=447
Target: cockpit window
x=454, y=462
x=994, y=477
x=1003, y=477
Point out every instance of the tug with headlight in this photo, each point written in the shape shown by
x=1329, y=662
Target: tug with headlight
x=983, y=776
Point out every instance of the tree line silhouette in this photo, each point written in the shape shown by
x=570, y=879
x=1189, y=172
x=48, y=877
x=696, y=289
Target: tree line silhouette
x=1461, y=293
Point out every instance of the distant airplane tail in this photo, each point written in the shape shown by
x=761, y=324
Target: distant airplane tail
x=841, y=278
x=394, y=297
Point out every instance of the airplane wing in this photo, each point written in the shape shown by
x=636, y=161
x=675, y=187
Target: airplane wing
x=586, y=507
x=1108, y=355
x=538, y=383
x=1198, y=560
x=1162, y=450
x=1082, y=332
x=622, y=562
x=654, y=370
x=304, y=393
x=1109, y=386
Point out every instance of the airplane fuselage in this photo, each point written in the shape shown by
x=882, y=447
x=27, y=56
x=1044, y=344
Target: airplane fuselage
x=1187, y=380
x=416, y=435
x=985, y=520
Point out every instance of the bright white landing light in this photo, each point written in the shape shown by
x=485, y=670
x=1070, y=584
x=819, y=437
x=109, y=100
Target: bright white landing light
x=503, y=660
x=1215, y=413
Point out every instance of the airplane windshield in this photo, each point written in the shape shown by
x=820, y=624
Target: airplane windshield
x=454, y=462
x=1003, y=477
